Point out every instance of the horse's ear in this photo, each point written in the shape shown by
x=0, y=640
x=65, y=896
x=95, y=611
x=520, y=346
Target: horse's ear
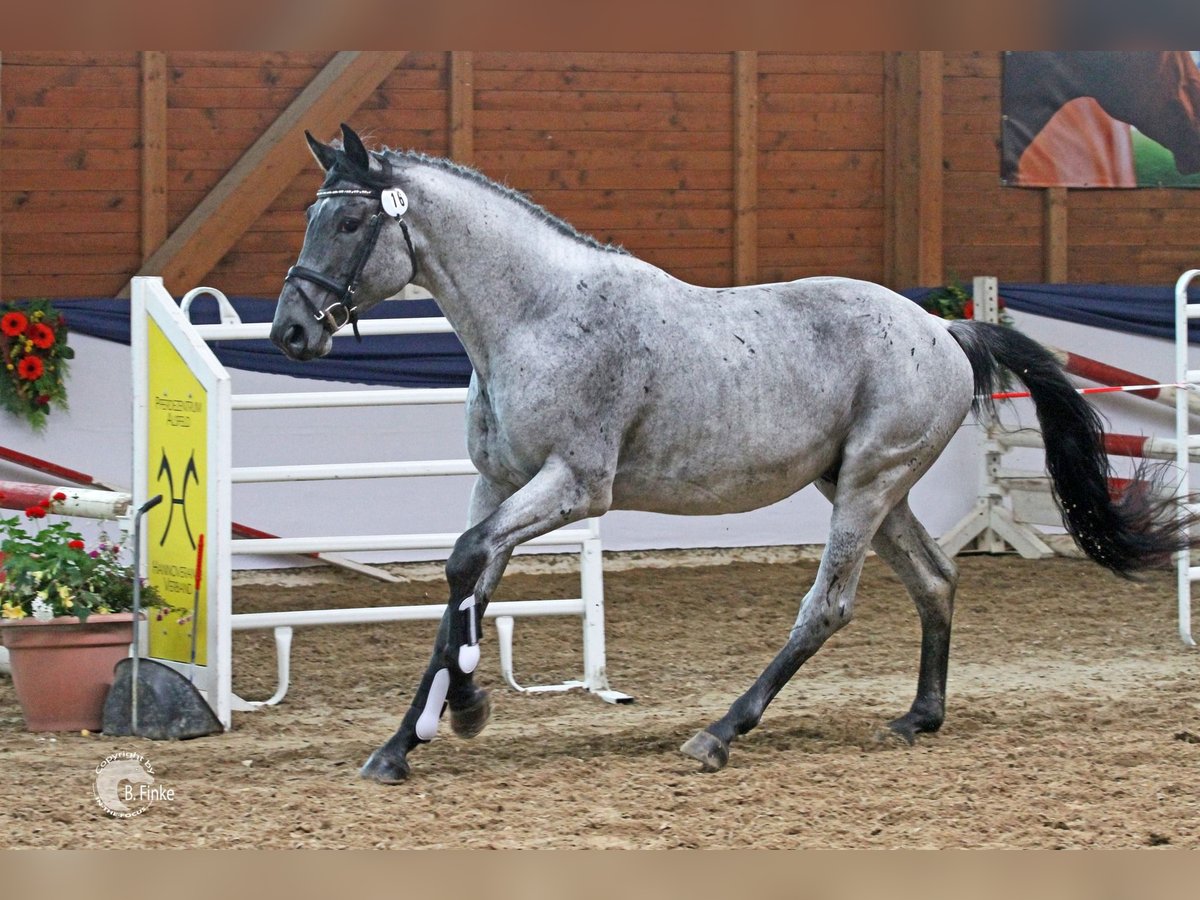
x=325, y=155
x=355, y=149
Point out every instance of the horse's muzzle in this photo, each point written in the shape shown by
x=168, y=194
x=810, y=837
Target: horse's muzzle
x=299, y=337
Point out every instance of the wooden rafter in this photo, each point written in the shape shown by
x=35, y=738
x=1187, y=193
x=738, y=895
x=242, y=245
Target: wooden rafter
x=248, y=189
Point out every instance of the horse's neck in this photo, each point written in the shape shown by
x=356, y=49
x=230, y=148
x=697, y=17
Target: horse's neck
x=491, y=263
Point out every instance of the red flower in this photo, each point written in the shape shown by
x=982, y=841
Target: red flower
x=35, y=512
x=41, y=336
x=30, y=368
x=59, y=496
x=46, y=504
x=75, y=545
x=13, y=323
x=968, y=310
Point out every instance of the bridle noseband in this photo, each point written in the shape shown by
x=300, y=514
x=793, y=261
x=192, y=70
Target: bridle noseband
x=392, y=205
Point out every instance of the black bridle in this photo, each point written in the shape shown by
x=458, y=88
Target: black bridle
x=344, y=307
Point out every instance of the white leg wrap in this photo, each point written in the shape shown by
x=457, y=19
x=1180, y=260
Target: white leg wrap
x=468, y=653
x=468, y=658
x=427, y=724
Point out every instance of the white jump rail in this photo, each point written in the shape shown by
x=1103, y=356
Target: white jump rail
x=589, y=606
x=1184, y=440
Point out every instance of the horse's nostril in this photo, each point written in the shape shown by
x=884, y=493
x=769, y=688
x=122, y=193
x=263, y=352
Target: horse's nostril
x=294, y=337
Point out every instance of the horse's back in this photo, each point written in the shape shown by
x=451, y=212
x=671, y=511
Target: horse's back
x=759, y=390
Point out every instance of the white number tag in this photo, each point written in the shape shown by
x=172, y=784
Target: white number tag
x=394, y=201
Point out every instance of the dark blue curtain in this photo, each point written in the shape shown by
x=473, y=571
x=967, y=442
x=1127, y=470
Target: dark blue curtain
x=438, y=360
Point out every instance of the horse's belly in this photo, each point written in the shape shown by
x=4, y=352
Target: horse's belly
x=701, y=486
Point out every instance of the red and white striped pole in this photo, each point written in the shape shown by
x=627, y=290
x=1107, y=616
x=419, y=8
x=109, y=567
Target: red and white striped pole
x=85, y=502
x=1103, y=373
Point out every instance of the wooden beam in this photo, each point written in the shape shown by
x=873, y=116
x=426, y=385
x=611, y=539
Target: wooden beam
x=913, y=152
x=745, y=167
x=890, y=87
x=248, y=189
x=462, y=106
x=1054, y=235
x=154, y=151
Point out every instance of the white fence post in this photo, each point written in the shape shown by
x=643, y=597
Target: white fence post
x=1186, y=572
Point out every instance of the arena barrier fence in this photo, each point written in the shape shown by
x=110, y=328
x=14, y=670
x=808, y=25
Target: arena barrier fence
x=183, y=406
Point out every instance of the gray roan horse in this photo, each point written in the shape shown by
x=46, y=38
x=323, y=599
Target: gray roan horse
x=601, y=382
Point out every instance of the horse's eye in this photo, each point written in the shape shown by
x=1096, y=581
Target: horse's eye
x=348, y=226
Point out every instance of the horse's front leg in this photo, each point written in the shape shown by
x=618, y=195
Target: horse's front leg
x=553, y=498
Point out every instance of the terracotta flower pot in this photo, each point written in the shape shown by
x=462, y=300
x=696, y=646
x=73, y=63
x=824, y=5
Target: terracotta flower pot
x=62, y=668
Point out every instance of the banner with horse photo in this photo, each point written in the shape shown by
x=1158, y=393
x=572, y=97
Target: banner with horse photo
x=1101, y=119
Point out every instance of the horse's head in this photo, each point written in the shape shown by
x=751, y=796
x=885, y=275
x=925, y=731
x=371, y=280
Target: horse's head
x=357, y=249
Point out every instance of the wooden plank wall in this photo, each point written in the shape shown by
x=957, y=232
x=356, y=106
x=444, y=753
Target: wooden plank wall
x=820, y=144
x=70, y=172
x=987, y=228
x=648, y=150
x=634, y=148
x=1142, y=236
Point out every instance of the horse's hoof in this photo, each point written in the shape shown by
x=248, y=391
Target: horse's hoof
x=895, y=734
x=470, y=720
x=710, y=751
x=385, y=769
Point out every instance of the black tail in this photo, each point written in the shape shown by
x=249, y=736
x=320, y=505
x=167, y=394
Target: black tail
x=1134, y=532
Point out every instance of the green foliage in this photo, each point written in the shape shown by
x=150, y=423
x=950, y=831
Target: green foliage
x=49, y=572
x=953, y=302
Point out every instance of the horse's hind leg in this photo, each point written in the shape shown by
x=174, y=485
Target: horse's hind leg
x=930, y=577
x=860, y=504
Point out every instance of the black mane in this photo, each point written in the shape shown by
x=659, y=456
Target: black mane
x=345, y=169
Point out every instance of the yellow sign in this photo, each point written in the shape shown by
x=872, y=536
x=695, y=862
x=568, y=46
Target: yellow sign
x=177, y=464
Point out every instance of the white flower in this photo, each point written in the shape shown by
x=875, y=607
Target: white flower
x=42, y=611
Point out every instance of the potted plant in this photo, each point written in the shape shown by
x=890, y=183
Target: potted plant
x=65, y=617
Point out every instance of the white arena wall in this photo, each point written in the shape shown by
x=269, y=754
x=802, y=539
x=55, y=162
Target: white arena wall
x=94, y=437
